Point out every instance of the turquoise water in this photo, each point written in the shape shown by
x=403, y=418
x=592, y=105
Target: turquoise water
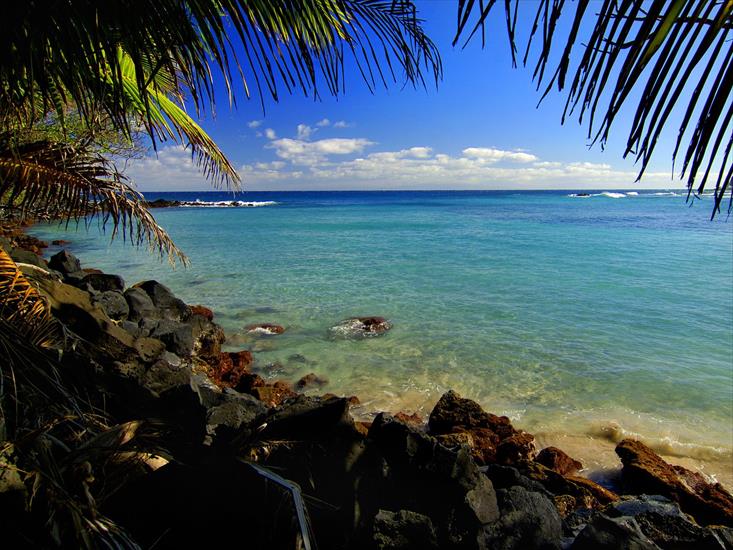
x=584, y=319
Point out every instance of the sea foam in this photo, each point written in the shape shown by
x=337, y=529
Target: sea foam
x=222, y=204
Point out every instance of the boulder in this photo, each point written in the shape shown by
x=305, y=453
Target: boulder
x=230, y=367
x=23, y=256
x=114, y=304
x=645, y=472
x=529, y=521
x=231, y=414
x=140, y=305
x=311, y=380
x=403, y=530
x=176, y=336
x=204, y=311
x=208, y=337
x=64, y=262
x=273, y=394
x=491, y=438
x=413, y=419
x=586, y=493
x=165, y=301
x=556, y=459
x=605, y=533
x=103, y=282
x=361, y=327
x=265, y=329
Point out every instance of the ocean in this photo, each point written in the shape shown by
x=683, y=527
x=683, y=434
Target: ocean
x=585, y=319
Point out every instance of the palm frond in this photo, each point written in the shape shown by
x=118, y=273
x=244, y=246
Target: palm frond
x=273, y=45
x=650, y=46
x=72, y=182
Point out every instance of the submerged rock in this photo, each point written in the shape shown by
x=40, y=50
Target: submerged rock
x=265, y=329
x=361, y=327
x=311, y=380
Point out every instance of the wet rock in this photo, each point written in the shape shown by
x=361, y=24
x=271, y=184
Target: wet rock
x=273, y=394
x=230, y=367
x=484, y=432
x=265, y=329
x=645, y=472
x=311, y=380
x=165, y=301
x=604, y=533
x=64, y=262
x=114, y=304
x=204, y=311
x=140, y=305
x=177, y=337
x=556, y=459
x=103, y=282
x=361, y=327
x=403, y=530
x=528, y=521
x=587, y=493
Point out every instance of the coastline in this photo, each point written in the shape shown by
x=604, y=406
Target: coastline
x=186, y=342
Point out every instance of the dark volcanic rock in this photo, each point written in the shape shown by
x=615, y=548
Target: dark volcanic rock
x=403, y=530
x=162, y=203
x=645, y=472
x=558, y=460
x=529, y=521
x=140, y=305
x=114, y=304
x=604, y=533
x=361, y=327
x=586, y=493
x=165, y=301
x=64, y=262
x=492, y=438
x=103, y=282
x=177, y=337
x=233, y=411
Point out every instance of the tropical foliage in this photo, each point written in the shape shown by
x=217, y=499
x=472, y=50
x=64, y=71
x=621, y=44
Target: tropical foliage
x=667, y=59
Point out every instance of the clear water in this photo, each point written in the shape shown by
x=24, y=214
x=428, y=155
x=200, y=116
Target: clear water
x=583, y=319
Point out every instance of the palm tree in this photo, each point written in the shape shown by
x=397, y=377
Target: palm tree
x=646, y=46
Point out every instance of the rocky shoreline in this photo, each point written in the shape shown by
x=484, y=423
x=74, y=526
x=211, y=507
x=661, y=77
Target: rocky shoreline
x=244, y=459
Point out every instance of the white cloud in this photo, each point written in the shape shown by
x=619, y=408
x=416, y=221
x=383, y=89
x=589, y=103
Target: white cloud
x=342, y=124
x=305, y=131
x=313, y=152
x=270, y=133
x=488, y=154
x=172, y=168
x=254, y=123
x=323, y=122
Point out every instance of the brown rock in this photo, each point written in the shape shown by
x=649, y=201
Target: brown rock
x=556, y=459
x=516, y=448
x=587, y=494
x=273, y=395
x=311, y=380
x=361, y=327
x=230, y=368
x=413, y=419
x=248, y=381
x=203, y=311
x=645, y=472
x=265, y=328
x=565, y=505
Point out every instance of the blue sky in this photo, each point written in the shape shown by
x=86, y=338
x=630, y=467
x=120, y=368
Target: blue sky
x=479, y=130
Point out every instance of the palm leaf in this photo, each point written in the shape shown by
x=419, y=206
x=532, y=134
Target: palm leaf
x=651, y=46
x=69, y=182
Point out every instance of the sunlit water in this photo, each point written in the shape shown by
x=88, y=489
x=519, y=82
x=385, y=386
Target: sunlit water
x=584, y=319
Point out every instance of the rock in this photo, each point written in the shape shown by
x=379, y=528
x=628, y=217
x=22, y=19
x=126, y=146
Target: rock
x=311, y=380
x=403, y=530
x=504, y=477
x=528, y=521
x=413, y=419
x=231, y=367
x=164, y=375
x=132, y=328
x=204, y=311
x=248, y=382
x=274, y=394
x=114, y=304
x=645, y=472
x=60, y=242
x=604, y=533
x=233, y=411
x=140, y=305
x=308, y=418
x=162, y=203
x=556, y=459
x=22, y=256
x=265, y=329
x=165, y=301
x=485, y=432
x=103, y=282
x=516, y=448
x=587, y=493
x=64, y=262
x=361, y=327
x=177, y=337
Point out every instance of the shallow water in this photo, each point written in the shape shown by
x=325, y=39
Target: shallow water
x=584, y=319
